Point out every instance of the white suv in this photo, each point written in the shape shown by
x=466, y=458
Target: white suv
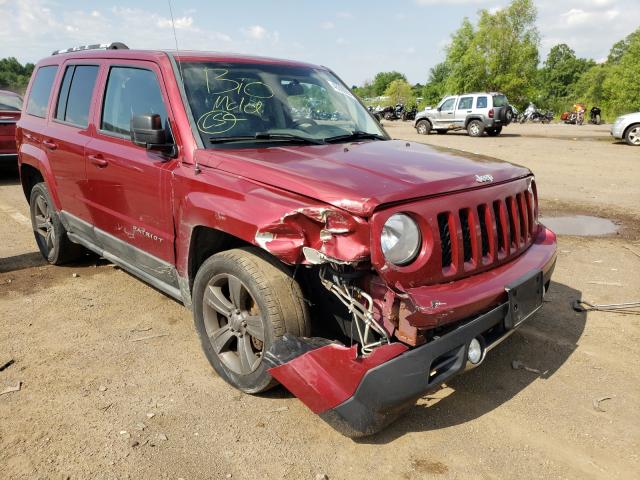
x=477, y=113
x=627, y=127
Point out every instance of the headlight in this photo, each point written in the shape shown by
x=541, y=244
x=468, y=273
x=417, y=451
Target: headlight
x=400, y=239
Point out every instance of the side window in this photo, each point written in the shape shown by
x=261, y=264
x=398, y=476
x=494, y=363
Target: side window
x=481, y=102
x=41, y=90
x=448, y=104
x=465, y=103
x=130, y=91
x=75, y=94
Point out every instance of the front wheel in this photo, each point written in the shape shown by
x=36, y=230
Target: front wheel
x=51, y=236
x=423, y=127
x=632, y=135
x=243, y=303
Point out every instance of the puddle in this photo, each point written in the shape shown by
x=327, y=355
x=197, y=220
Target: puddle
x=580, y=225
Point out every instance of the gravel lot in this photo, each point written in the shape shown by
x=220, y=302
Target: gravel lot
x=98, y=400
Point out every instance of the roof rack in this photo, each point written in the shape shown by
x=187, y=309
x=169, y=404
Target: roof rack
x=96, y=46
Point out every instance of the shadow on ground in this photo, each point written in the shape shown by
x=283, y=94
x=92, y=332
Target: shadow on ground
x=545, y=343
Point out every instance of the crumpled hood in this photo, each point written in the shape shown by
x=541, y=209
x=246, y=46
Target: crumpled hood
x=358, y=177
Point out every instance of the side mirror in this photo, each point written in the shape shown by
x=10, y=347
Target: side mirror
x=147, y=131
x=439, y=109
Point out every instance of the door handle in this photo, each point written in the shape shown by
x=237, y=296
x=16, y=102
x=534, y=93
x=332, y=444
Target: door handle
x=469, y=111
x=50, y=144
x=98, y=161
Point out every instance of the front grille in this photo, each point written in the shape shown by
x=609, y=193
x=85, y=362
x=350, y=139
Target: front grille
x=466, y=235
x=484, y=235
x=445, y=239
x=487, y=233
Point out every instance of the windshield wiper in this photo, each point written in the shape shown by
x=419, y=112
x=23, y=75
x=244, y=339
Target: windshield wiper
x=355, y=135
x=267, y=136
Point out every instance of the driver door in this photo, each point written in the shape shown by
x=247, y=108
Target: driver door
x=446, y=112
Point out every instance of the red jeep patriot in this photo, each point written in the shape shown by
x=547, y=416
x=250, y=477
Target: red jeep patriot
x=358, y=271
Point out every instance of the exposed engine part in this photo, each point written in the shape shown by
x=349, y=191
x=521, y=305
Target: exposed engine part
x=362, y=312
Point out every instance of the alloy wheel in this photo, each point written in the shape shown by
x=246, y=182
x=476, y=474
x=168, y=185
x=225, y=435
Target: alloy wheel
x=233, y=323
x=43, y=224
x=634, y=136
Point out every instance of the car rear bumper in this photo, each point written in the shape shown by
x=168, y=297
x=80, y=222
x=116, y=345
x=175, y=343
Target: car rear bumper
x=359, y=396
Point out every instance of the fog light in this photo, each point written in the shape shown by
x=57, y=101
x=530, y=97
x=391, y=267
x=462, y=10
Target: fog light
x=475, y=351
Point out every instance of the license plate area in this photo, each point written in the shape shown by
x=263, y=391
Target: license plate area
x=525, y=298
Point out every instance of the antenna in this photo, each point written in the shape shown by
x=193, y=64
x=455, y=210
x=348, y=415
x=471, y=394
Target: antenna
x=175, y=37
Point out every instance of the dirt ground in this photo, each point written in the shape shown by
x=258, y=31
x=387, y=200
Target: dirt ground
x=100, y=400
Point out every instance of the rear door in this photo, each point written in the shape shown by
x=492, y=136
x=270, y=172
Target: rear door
x=68, y=133
x=129, y=192
x=464, y=108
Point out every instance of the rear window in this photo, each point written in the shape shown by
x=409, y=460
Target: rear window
x=481, y=102
x=41, y=90
x=10, y=103
x=75, y=94
x=500, y=101
x=465, y=103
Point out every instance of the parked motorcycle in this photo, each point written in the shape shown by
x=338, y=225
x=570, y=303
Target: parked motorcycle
x=531, y=114
x=409, y=114
x=595, y=117
x=547, y=117
x=576, y=117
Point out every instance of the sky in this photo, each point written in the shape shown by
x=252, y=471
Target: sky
x=356, y=39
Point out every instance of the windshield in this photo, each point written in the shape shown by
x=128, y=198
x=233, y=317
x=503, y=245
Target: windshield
x=234, y=103
x=10, y=103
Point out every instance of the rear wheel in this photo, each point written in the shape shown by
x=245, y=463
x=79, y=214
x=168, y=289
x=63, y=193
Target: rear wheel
x=51, y=236
x=475, y=128
x=494, y=132
x=242, y=304
x=423, y=127
x=632, y=135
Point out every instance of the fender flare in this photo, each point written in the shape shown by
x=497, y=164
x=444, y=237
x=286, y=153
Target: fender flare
x=37, y=158
x=470, y=118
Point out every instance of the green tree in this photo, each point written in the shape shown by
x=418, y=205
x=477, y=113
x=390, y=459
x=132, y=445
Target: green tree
x=13, y=75
x=500, y=54
x=621, y=86
x=382, y=80
x=436, y=86
x=561, y=71
x=400, y=91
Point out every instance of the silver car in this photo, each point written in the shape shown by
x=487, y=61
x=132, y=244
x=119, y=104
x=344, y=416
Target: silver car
x=477, y=113
x=627, y=128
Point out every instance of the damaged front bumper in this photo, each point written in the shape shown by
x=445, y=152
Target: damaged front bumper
x=360, y=395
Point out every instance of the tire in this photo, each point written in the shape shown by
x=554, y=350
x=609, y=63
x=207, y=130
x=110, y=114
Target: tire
x=494, y=132
x=632, y=135
x=388, y=116
x=267, y=303
x=508, y=115
x=51, y=236
x=423, y=127
x=475, y=128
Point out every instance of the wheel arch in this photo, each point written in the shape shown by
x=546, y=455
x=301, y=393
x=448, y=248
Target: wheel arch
x=34, y=168
x=629, y=127
x=470, y=118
